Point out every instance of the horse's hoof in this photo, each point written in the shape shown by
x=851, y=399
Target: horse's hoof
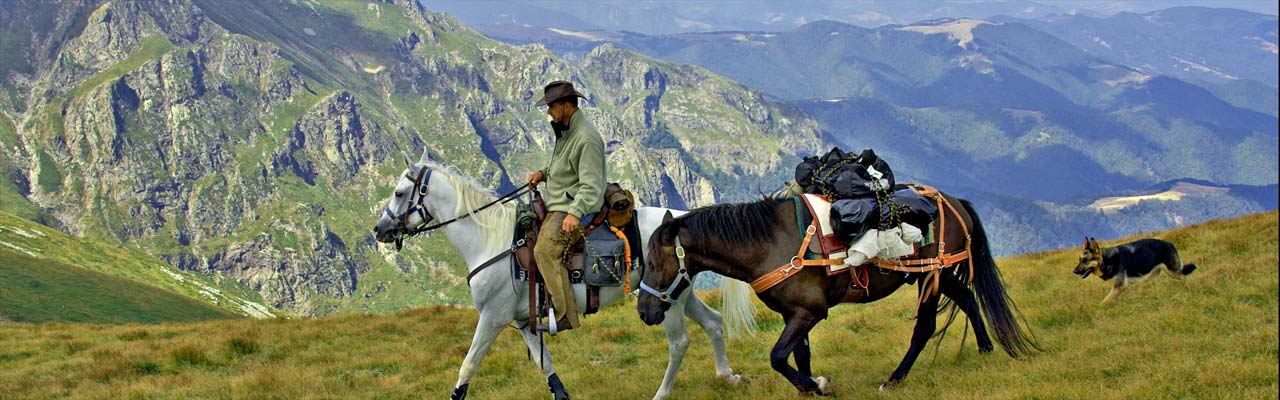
x=824, y=385
x=460, y=392
x=887, y=386
x=557, y=387
x=735, y=380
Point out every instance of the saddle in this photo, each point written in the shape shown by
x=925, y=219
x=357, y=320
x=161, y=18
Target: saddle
x=597, y=266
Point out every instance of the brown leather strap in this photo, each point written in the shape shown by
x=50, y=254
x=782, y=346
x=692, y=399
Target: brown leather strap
x=493, y=260
x=593, y=299
x=533, y=298
x=918, y=265
x=596, y=221
x=797, y=264
x=933, y=266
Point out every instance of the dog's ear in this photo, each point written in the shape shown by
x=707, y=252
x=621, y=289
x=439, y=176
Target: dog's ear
x=1086, y=242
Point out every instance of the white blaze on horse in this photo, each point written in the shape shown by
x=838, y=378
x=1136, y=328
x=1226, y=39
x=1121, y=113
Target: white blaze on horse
x=429, y=192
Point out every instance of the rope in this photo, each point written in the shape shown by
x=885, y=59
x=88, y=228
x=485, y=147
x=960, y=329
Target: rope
x=627, y=246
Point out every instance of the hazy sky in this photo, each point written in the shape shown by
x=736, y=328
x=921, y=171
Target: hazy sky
x=1111, y=6
x=674, y=16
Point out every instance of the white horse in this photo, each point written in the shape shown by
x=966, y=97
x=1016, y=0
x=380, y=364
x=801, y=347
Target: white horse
x=428, y=191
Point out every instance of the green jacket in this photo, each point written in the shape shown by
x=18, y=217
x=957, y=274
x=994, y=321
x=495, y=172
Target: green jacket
x=575, y=179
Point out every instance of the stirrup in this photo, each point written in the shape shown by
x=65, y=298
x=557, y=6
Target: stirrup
x=553, y=327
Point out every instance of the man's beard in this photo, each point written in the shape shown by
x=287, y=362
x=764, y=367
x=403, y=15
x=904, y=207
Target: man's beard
x=559, y=128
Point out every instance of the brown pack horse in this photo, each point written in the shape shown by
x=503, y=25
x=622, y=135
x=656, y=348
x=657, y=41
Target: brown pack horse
x=747, y=241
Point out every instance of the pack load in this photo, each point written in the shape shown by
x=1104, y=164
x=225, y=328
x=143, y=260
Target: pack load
x=867, y=199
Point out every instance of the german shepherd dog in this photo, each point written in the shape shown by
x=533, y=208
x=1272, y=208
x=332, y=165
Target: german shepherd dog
x=1129, y=261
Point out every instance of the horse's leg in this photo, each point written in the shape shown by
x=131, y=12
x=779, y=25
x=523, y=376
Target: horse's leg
x=926, y=322
x=711, y=323
x=542, y=357
x=802, y=356
x=799, y=323
x=677, y=344
x=960, y=293
x=487, y=329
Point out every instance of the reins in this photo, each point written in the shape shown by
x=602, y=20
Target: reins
x=500, y=200
x=419, y=193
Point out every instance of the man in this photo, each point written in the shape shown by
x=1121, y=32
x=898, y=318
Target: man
x=575, y=188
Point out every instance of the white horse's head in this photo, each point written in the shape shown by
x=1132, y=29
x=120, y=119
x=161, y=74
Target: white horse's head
x=429, y=196
x=414, y=203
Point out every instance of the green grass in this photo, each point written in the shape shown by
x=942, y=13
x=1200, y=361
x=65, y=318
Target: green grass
x=150, y=48
x=50, y=178
x=8, y=134
x=50, y=246
x=35, y=290
x=1210, y=335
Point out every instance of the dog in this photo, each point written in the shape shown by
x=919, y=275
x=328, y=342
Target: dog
x=1130, y=261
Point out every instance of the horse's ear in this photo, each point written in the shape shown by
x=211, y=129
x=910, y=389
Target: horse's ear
x=424, y=158
x=667, y=217
x=407, y=163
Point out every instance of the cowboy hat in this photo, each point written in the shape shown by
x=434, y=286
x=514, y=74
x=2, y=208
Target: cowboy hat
x=557, y=90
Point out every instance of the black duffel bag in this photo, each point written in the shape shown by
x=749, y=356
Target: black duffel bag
x=913, y=208
x=851, y=218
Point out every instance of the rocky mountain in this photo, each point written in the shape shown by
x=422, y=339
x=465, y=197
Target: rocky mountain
x=1030, y=126
x=975, y=101
x=255, y=141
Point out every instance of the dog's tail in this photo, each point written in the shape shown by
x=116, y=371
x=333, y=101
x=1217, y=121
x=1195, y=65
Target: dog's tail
x=1188, y=269
x=1001, y=312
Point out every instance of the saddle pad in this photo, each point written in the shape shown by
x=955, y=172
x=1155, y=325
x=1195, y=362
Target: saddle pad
x=826, y=244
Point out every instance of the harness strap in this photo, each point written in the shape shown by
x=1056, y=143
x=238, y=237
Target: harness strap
x=929, y=285
x=935, y=263
x=797, y=264
x=486, y=264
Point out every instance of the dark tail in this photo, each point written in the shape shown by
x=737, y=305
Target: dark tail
x=1188, y=269
x=996, y=305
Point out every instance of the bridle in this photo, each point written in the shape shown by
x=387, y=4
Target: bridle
x=682, y=280
x=415, y=206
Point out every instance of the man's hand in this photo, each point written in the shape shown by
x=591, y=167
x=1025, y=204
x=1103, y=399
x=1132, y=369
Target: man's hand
x=571, y=223
x=534, y=178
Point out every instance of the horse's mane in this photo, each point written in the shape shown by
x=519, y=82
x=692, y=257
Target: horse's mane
x=741, y=224
x=497, y=222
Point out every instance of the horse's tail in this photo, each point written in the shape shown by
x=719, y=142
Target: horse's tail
x=999, y=309
x=736, y=307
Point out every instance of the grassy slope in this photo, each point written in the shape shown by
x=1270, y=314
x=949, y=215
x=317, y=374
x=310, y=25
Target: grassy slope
x=1212, y=335
x=35, y=290
x=48, y=245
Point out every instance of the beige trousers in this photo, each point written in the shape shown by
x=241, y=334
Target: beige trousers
x=549, y=254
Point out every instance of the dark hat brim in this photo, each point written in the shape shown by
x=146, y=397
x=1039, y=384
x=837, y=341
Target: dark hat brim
x=548, y=99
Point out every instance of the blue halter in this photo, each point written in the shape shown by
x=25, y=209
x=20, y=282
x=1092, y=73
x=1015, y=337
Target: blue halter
x=672, y=294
